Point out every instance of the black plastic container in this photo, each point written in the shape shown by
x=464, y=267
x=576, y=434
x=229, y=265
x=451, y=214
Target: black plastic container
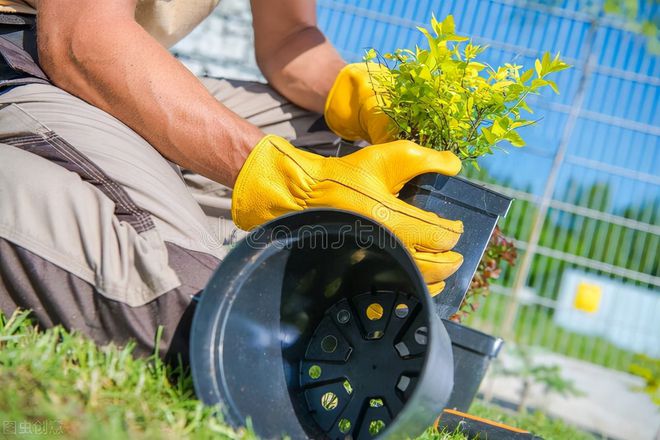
x=306, y=303
x=473, y=351
x=479, y=209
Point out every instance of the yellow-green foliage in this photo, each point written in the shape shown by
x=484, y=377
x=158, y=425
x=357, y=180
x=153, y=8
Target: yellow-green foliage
x=648, y=369
x=443, y=98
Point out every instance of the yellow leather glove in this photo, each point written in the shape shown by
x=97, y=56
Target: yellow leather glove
x=278, y=178
x=352, y=109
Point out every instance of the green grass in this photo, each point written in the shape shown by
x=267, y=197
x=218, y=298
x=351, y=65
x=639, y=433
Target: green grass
x=58, y=384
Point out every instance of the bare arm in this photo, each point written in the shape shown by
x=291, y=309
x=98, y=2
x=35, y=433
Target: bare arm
x=293, y=54
x=96, y=51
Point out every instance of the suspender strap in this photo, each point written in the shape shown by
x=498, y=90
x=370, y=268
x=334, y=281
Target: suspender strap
x=17, y=65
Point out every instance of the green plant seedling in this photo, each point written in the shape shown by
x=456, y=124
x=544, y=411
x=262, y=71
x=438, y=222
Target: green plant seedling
x=443, y=98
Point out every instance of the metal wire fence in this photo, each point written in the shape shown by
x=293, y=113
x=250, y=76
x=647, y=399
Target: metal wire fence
x=586, y=217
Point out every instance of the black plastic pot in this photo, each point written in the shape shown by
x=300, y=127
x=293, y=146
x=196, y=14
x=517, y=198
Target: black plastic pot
x=473, y=351
x=318, y=325
x=479, y=209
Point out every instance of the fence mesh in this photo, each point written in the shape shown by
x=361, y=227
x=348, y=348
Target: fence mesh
x=585, y=220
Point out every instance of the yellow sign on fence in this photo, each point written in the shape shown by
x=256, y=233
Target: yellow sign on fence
x=587, y=297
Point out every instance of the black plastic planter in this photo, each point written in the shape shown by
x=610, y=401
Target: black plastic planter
x=473, y=351
x=479, y=209
x=318, y=325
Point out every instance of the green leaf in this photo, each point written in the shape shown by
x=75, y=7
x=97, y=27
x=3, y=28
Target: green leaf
x=520, y=123
x=476, y=65
x=553, y=86
x=538, y=67
x=370, y=55
x=435, y=25
x=523, y=105
x=545, y=63
x=526, y=76
x=504, y=122
x=538, y=83
x=429, y=37
x=425, y=73
x=497, y=130
x=515, y=139
x=448, y=26
x=458, y=38
x=488, y=134
x=433, y=46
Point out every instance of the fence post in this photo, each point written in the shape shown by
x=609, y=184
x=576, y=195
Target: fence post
x=588, y=61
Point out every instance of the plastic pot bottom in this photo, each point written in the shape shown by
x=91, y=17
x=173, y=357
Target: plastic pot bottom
x=318, y=325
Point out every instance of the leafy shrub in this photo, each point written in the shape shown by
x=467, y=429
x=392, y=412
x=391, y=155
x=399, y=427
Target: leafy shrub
x=443, y=98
